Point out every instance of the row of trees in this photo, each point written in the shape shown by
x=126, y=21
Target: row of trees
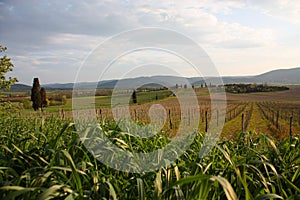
x=177, y=86
x=248, y=88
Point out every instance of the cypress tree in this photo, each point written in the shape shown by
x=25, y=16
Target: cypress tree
x=134, y=100
x=36, y=95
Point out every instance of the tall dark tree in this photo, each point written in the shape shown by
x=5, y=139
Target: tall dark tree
x=43, y=97
x=36, y=94
x=134, y=100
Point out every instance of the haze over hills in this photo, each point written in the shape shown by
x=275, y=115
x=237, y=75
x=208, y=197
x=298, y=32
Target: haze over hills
x=280, y=76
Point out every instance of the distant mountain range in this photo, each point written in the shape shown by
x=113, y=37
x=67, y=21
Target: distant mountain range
x=280, y=77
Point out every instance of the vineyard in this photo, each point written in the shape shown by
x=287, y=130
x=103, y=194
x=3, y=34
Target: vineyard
x=256, y=157
x=279, y=119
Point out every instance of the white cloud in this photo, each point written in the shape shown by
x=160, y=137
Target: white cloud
x=204, y=27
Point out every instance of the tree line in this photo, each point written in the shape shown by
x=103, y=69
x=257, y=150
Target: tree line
x=248, y=88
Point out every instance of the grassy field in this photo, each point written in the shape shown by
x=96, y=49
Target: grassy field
x=105, y=101
x=42, y=157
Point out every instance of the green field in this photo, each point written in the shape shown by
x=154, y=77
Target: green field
x=105, y=101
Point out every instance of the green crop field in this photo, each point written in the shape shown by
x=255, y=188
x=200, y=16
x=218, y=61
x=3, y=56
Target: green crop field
x=43, y=158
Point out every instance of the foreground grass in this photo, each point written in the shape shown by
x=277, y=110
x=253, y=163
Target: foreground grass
x=44, y=159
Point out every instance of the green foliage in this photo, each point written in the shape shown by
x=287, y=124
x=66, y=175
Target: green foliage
x=44, y=159
x=6, y=66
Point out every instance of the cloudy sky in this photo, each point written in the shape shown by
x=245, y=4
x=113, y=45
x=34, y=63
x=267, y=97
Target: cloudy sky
x=51, y=39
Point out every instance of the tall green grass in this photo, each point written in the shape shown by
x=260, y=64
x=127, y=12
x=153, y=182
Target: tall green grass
x=44, y=159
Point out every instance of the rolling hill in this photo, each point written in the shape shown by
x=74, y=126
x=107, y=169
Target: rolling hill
x=283, y=76
x=279, y=76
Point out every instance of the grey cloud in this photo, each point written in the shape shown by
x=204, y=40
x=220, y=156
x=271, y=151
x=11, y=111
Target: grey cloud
x=37, y=19
x=59, y=33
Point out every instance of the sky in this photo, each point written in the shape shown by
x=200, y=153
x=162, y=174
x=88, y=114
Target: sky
x=53, y=40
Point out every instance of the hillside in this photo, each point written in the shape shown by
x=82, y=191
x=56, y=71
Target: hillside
x=283, y=76
x=19, y=88
x=280, y=76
